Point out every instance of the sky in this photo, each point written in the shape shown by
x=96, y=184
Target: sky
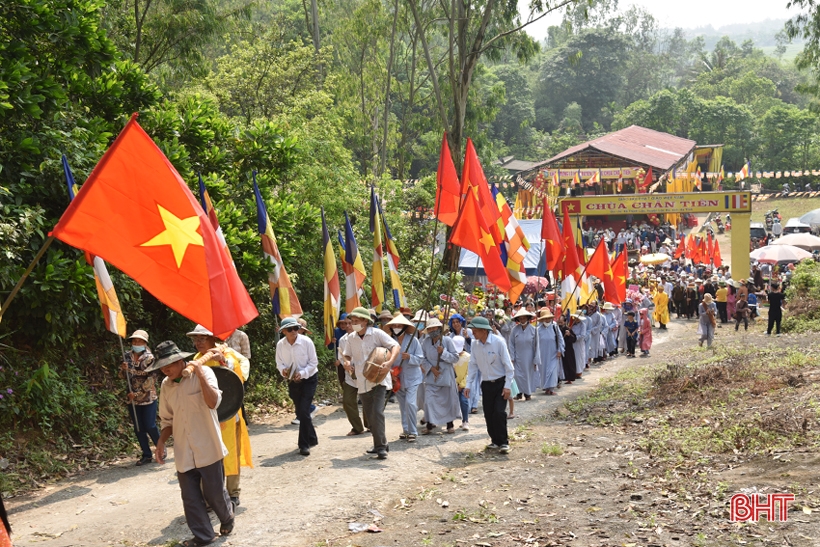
x=688, y=13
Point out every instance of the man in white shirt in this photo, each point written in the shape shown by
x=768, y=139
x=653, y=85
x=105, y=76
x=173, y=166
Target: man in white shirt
x=356, y=349
x=187, y=409
x=489, y=356
x=297, y=362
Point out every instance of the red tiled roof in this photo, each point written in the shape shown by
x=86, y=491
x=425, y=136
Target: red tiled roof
x=638, y=144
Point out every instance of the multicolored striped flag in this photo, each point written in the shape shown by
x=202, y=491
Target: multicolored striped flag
x=399, y=300
x=208, y=206
x=353, y=267
x=514, y=247
x=110, y=304
x=377, y=279
x=744, y=172
x=332, y=289
x=283, y=297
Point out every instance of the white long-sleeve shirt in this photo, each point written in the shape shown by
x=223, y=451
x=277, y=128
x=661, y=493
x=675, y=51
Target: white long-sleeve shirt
x=357, y=349
x=492, y=359
x=301, y=355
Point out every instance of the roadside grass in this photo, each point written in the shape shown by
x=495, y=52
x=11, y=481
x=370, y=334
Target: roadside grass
x=736, y=400
x=787, y=207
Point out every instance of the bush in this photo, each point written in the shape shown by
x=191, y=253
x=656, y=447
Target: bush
x=803, y=299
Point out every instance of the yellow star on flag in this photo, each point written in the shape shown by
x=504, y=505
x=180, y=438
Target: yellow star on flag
x=570, y=207
x=178, y=233
x=487, y=240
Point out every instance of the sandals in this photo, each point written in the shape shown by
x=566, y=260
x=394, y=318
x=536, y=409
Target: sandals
x=411, y=438
x=226, y=528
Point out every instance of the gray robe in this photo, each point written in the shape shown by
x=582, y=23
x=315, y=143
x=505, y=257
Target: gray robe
x=441, y=404
x=580, y=345
x=550, y=344
x=524, y=354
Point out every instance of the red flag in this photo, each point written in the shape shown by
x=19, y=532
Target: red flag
x=599, y=266
x=473, y=232
x=681, y=249
x=473, y=179
x=551, y=236
x=692, y=249
x=620, y=270
x=448, y=192
x=716, y=258
x=709, y=247
x=703, y=253
x=647, y=180
x=137, y=213
x=572, y=265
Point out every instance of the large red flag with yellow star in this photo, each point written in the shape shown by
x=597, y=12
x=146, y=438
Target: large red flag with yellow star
x=137, y=213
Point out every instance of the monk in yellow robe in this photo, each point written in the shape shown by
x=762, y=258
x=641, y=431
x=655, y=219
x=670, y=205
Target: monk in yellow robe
x=661, y=300
x=234, y=431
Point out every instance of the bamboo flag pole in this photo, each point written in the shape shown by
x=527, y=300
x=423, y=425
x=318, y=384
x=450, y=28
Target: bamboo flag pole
x=49, y=240
x=128, y=381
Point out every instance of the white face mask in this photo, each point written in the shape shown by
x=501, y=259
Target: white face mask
x=357, y=327
x=397, y=331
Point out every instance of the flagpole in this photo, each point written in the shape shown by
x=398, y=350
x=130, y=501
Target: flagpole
x=128, y=381
x=49, y=240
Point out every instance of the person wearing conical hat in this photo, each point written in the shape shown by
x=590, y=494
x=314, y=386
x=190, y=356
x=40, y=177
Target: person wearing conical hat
x=441, y=402
x=524, y=354
x=706, y=323
x=610, y=333
x=551, y=349
x=357, y=347
x=409, y=374
x=234, y=431
x=142, y=392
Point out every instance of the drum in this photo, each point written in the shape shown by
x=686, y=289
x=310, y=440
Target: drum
x=374, y=368
x=233, y=393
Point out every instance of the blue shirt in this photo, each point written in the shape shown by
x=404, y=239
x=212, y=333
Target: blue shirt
x=492, y=359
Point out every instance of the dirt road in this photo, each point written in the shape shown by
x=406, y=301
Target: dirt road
x=286, y=499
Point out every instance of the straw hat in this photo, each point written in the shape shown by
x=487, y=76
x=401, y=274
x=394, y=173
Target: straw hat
x=431, y=324
x=608, y=306
x=523, y=312
x=140, y=335
x=385, y=314
x=420, y=317
x=402, y=321
x=707, y=298
x=303, y=324
x=199, y=330
x=545, y=314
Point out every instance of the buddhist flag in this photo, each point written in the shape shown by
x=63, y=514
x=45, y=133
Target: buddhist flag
x=515, y=241
x=599, y=266
x=208, y=206
x=472, y=231
x=720, y=178
x=473, y=180
x=377, y=279
x=137, y=213
x=552, y=240
x=716, y=258
x=594, y=179
x=448, y=192
x=110, y=304
x=576, y=180
x=284, y=299
x=710, y=250
x=620, y=270
x=331, y=285
x=353, y=267
x=743, y=173
x=399, y=301
x=572, y=267
x=556, y=180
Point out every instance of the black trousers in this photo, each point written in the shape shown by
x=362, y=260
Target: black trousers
x=301, y=393
x=721, y=307
x=774, y=318
x=630, y=345
x=495, y=410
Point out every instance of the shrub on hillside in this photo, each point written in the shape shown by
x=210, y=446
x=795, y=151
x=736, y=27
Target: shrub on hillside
x=803, y=299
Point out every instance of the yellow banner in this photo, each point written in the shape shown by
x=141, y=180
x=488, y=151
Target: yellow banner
x=642, y=204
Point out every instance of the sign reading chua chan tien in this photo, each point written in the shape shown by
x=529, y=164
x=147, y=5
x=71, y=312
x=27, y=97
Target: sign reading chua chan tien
x=699, y=202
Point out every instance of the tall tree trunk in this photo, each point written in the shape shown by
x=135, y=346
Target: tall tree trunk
x=383, y=162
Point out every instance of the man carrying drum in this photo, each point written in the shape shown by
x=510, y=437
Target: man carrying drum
x=357, y=349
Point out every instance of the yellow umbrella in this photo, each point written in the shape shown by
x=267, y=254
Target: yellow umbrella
x=655, y=258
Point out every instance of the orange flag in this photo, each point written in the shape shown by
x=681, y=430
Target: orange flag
x=473, y=180
x=137, y=213
x=599, y=266
x=448, y=192
x=551, y=236
x=716, y=258
x=620, y=271
x=681, y=249
x=472, y=232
